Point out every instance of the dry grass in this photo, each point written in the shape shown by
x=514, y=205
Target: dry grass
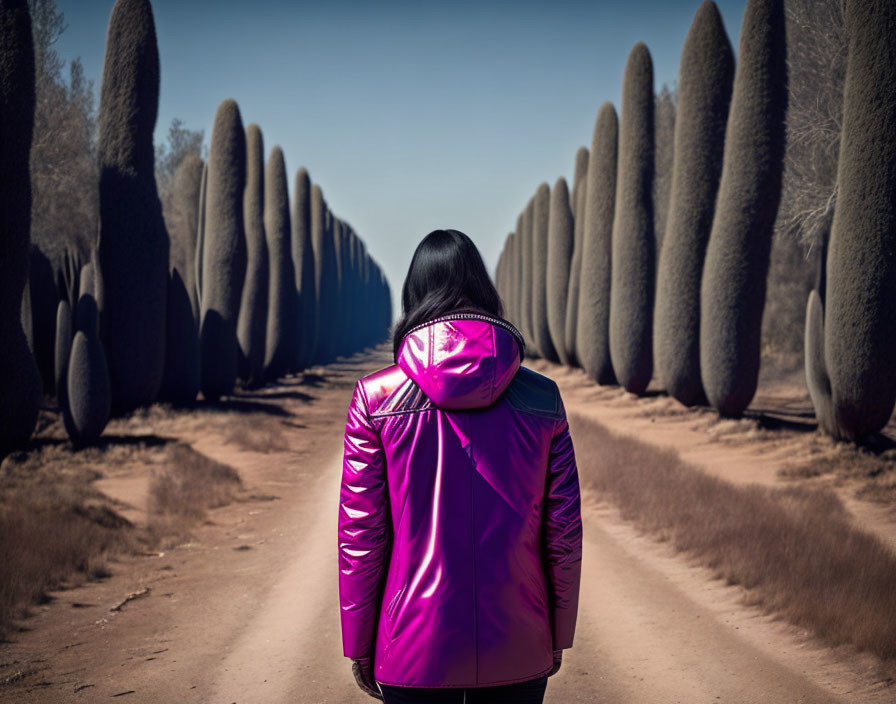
x=259, y=437
x=845, y=463
x=50, y=537
x=57, y=530
x=793, y=549
x=184, y=489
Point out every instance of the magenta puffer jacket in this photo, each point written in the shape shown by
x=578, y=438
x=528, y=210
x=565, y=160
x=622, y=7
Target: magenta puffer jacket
x=460, y=532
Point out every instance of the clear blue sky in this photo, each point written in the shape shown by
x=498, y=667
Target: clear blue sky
x=410, y=115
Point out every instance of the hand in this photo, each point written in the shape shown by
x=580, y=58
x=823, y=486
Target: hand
x=364, y=677
x=558, y=660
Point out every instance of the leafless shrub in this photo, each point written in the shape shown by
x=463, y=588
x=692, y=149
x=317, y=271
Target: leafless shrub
x=816, y=60
x=65, y=203
x=816, y=47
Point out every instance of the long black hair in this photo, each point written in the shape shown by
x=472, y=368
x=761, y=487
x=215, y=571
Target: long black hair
x=446, y=275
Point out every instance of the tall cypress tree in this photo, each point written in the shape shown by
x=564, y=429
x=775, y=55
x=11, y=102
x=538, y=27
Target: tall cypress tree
x=183, y=225
x=732, y=294
x=580, y=182
x=253, y=318
x=282, y=316
x=133, y=243
x=859, y=316
x=632, y=275
x=541, y=214
x=704, y=93
x=560, y=245
x=527, y=280
x=21, y=385
x=200, y=238
x=303, y=266
x=224, y=252
x=593, y=319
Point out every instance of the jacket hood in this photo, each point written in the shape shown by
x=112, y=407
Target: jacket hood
x=462, y=360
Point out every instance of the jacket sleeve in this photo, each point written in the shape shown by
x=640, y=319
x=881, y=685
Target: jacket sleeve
x=364, y=529
x=563, y=535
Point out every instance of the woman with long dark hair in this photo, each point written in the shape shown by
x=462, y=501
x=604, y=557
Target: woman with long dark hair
x=460, y=534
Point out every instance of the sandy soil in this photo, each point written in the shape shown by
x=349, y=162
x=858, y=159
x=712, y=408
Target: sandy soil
x=248, y=610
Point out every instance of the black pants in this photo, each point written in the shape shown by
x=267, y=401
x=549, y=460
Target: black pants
x=529, y=692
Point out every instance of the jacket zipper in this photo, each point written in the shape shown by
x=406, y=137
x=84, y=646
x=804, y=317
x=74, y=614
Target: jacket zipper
x=473, y=316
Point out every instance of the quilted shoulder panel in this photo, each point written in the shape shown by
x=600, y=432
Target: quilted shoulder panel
x=531, y=392
x=390, y=391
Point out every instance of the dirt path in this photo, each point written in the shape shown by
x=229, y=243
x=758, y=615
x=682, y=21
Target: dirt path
x=248, y=611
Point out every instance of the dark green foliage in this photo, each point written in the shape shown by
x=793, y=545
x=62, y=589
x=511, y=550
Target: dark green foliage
x=200, y=238
x=87, y=287
x=560, y=245
x=817, y=380
x=223, y=252
x=516, y=265
x=541, y=213
x=355, y=303
x=25, y=318
x=283, y=312
x=180, y=384
x=580, y=181
x=860, y=317
x=318, y=237
x=334, y=302
x=252, y=323
x=303, y=267
x=88, y=398
x=21, y=387
x=325, y=275
x=526, y=283
x=704, y=93
x=62, y=350
x=734, y=273
x=593, y=319
x=43, y=298
x=664, y=158
x=501, y=271
x=89, y=392
x=351, y=324
x=182, y=221
x=133, y=244
x=339, y=299
x=86, y=314
x=634, y=254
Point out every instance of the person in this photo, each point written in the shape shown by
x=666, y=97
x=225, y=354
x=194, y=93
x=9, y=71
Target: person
x=459, y=531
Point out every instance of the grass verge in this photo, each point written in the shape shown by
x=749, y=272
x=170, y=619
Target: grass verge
x=795, y=550
x=57, y=530
x=49, y=536
x=179, y=494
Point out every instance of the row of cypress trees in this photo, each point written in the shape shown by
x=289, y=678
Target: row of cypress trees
x=639, y=312
x=280, y=288
x=699, y=330
x=242, y=288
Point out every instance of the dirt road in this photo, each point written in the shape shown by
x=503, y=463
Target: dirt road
x=248, y=611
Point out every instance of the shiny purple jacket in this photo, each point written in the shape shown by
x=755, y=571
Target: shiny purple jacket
x=460, y=533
